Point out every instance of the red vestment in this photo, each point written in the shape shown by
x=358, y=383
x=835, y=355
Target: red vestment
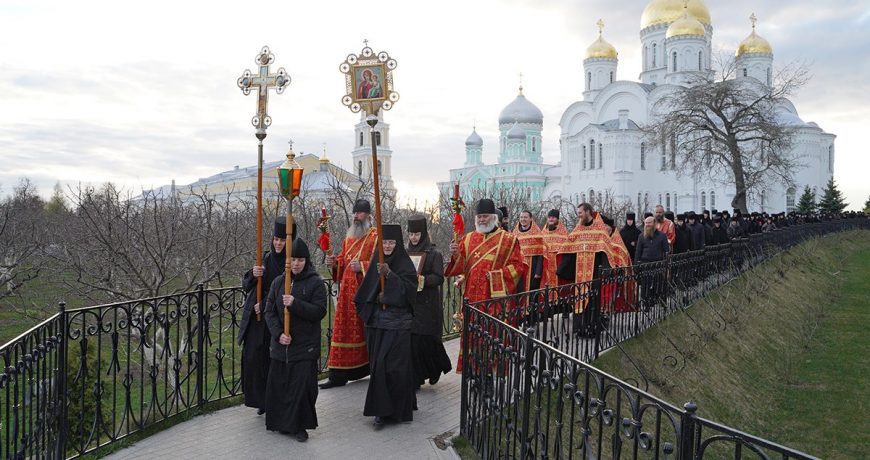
x=492, y=265
x=554, y=239
x=617, y=295
x=348, y=346
x=586, y=241
x=667, y=227
x=532, y=245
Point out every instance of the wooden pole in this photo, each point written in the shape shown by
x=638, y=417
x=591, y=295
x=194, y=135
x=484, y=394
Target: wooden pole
x=288, y=247
x=259, y=262
x=372, y=120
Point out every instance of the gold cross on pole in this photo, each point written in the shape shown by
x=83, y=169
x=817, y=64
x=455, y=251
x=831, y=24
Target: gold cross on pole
x=261, y=82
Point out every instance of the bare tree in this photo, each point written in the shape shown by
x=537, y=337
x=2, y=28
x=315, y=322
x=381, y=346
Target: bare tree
x=729, y=129
x=22, y=230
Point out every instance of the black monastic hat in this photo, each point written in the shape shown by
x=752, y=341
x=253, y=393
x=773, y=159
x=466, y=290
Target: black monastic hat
x=485, y=206
x=280, y=228
x=629, y=216
x=362, y=205
x=417, y=224
x=669, y=215
x=553, y=213
x=607, y=221
x=647, y=214
x=681, y=216
x=393, y=232
x=300, y=249
x=504, y=211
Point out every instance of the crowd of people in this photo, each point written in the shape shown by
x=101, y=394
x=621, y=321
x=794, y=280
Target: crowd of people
x=389, y=316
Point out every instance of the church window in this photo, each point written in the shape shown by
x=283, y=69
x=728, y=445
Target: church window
x=768, y=77
x=380, y=169
x=703, y=200
x=664, y=159
x=645, y=57
x=611, y=77
x=360, y=139
x=745, y=72
x=592, y=154
x=667, y=201
x=645, y=201
x=582, y=198
x=660, y=199
x=591, y=195
x=700, y=58
x=712, y=198
x=763, y=193
x=642, y=156
x=588, y=81
x=584, y=157
x=639, y=209
x=378, y=138
x=789, y=199
x=534, y=144
x=359, y=168
x=600, y=200
x=830, y=158
x=675, y=61
x=600, y=156
x=673, y=152
x=654, y=56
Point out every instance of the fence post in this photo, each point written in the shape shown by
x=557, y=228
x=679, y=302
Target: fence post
x=463, y=359
x=527, y=392
x=687, y=431
x=61, y=396
x=200, y=344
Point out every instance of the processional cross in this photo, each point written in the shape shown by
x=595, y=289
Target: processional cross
x=262, y=81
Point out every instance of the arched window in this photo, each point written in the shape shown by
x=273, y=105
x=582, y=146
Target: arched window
x=763, y=196
x=584, y=157
x=645, y=201
x=588, y=81
x=611, y=76
x=830, y=158
x=789, y=199
x=768, y=77
x=700, y=57
x=660, y=199
x=378, y=138
x=600, y=156
x=673, y=152
x=359, y=168
x=642, y=158
x=703, y=200
x=745, y=72
x=639, y=209
x=664, y=158
x=645, y=57
x=654, y=56
x=592, y=154
x=361, y=139
x=534, y=144
x=591, y=195
x=675, y=61
x=667, y=201
x=380, y=168
x=712, y=198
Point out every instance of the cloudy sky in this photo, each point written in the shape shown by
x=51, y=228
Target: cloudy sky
x=142, y=93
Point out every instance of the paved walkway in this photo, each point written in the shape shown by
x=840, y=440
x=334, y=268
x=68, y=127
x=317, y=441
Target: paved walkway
x=343, y=433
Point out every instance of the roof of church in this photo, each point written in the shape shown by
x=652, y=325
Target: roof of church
x=474, y=139
x=613, y=125
x=521, y=111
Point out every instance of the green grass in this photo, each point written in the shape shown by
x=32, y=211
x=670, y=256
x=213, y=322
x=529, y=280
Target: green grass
x=781, y=352
x=463, y=449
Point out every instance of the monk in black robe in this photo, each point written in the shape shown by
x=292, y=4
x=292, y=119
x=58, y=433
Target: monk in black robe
x=630, y=234
x=429, y=357
x=253, y=335
x=388, y=316
x=291, y=389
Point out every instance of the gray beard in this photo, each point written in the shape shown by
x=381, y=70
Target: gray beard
x=358, y=230
x=485, y=228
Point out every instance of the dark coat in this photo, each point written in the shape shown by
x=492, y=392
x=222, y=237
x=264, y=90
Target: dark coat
x=395, y=309
x=682, y=239
x=629, y=235
x=274, y=267
x=699, y=236
x=308, y=309
x=429, y=310
x=720, y=234
x=653, y=249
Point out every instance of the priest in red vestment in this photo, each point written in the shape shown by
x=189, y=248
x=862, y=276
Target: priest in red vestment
x=555, y=235
x=588, y=251
x=348, y=357
x=534, y=250
x=488, y=261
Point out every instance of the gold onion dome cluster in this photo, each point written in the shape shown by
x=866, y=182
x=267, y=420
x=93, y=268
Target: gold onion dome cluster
x=754, y=43
x=667, y=11
x=686, y=25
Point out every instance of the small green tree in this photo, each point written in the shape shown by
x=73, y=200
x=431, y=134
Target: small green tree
x=867, y=205
x=807, y=203
x=832, y=199
x=57, y=203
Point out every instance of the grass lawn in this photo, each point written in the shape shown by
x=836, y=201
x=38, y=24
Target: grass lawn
x=782, y=352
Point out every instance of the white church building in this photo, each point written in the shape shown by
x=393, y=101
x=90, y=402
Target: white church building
x=602, y=149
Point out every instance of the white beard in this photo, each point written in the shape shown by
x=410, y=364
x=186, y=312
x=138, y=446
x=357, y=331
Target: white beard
x=358, y=230
x=486, y=228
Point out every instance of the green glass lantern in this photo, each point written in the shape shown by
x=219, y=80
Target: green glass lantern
x=290, y=176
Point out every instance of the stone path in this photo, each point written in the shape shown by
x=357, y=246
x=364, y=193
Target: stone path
x=344, y=433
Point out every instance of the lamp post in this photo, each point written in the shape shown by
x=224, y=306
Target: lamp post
x=289, y=183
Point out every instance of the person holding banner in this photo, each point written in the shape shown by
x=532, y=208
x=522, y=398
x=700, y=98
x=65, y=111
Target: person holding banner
x=291, y=388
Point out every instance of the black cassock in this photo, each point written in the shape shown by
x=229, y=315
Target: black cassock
x=291, y=389
x=428, y=355
x=388, y=320
x=254, y=335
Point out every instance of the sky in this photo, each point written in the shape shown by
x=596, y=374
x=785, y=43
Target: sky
x=144, y=93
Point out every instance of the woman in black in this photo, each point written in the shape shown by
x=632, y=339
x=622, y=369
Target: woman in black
x=291, y=389
x=428, y=356
x=253, y=334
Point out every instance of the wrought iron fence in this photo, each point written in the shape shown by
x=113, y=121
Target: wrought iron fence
x=521, y=386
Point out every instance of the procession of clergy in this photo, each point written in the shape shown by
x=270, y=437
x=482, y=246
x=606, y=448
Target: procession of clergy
x=391, y=330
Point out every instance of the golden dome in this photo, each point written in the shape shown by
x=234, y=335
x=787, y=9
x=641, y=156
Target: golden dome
x=601, y=48
x=686, y=25
x=754, y=43
x=666, y=11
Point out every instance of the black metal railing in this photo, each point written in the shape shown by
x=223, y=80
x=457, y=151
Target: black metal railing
x=88, y=377
x=513, y=372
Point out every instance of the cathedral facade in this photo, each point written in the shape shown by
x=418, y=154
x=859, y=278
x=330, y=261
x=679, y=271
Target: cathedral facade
x=603, y=152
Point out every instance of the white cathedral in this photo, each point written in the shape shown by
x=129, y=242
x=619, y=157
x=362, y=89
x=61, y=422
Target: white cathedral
x=602, y=149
